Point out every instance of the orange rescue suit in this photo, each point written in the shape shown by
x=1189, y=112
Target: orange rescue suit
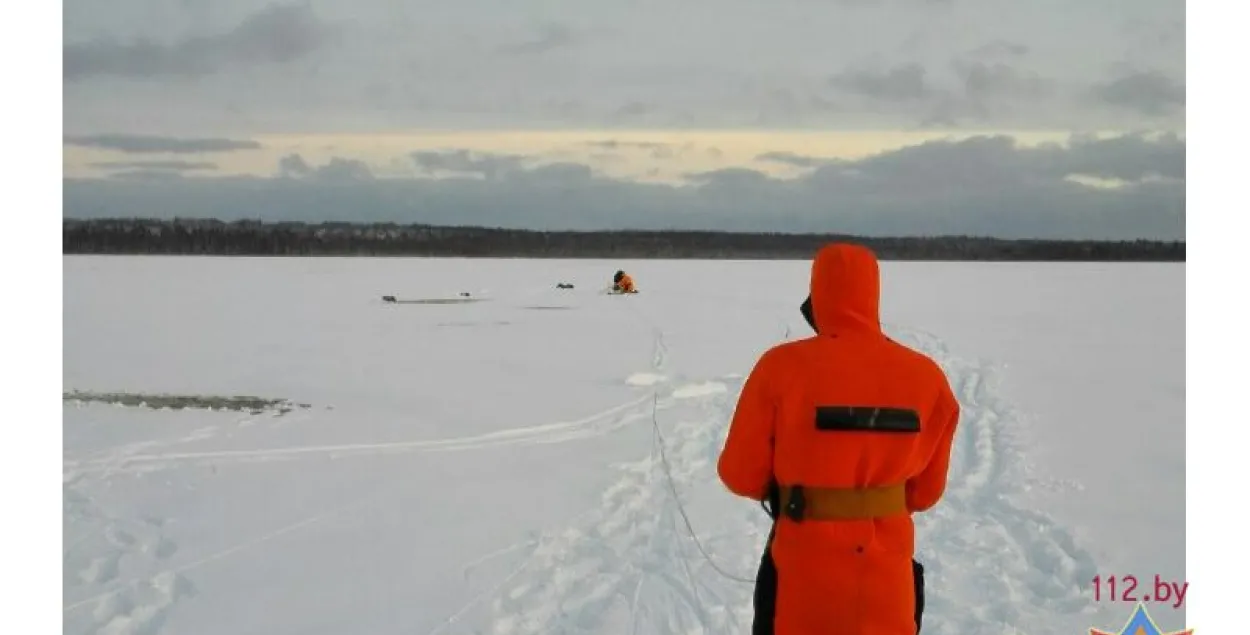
x=625, y=284
x=850, y=575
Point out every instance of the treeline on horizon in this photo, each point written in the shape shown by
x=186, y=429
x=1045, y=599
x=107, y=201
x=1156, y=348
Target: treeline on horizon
x=209, y=237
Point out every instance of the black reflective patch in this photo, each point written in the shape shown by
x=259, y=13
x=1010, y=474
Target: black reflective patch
x=866, y=419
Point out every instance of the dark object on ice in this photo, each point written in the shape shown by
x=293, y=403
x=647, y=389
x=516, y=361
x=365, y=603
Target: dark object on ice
x=253, y=405
x=564, y=285
x=464, y=294
x=463, y=299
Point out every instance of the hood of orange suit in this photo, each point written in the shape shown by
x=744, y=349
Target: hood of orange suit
x=846, y=289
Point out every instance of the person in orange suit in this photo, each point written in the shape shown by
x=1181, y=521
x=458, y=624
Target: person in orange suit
x=623, y=283
x=842, y=436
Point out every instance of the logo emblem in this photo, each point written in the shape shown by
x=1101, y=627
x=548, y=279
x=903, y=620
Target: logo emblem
x=1139, y=623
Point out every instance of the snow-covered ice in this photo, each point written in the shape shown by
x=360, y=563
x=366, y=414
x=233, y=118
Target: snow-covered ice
x=490, y=467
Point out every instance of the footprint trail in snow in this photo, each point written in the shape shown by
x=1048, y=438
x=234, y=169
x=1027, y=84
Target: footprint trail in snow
x=104, y=556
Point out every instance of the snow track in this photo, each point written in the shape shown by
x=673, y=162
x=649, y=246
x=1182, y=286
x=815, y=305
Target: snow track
x=592, y=425
x=102, y=555
x=630, y=565
x=1010, y=567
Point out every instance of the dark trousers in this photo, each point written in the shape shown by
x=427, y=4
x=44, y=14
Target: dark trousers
x=765, y=600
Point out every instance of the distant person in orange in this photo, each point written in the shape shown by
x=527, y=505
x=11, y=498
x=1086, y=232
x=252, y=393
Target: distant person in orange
x=842, y=435
x=623, y=283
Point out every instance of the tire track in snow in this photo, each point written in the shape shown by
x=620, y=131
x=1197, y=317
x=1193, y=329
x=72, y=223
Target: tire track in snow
x=993, y=565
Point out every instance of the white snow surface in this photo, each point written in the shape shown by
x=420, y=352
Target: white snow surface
x=496, y=466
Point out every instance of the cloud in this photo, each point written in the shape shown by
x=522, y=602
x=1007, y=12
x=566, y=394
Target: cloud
x=998, y=163
x=983, y=80
x=1123, y=158
x=790, y=158
x=174, y=166
x=343, y=170
x=613, y=144
x=1000, y=49
x=983, y=90
x=1146, y=92
x=294, y=166
x=905, y=82
x=550, y=37
x=984, y=85
x=987, y=185
x=152, y=144
x=490, y=166
x=561, y=173
x=336, y=170
x=151, y=176
x=606, y=157
x=634, y=109
x=276, y=34
x=731, y=178
x=951, y=111
x=884, y=3
x=1156, y=34
x=908, y=90
x=293, y=68
x=485, y=164
x=654, y=149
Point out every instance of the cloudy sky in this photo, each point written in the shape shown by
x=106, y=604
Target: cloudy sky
x=1062, y=118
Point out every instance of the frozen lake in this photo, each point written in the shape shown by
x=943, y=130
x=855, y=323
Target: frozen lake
x=494, y=467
